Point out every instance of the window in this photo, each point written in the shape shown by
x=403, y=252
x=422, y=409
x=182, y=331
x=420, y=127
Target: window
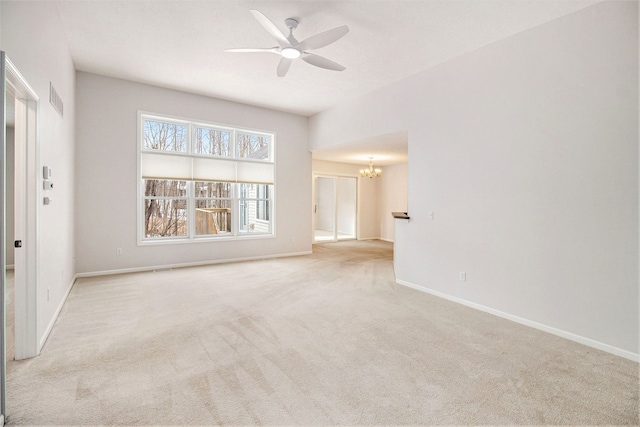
x=165, y=208
x=213, y=208
x=165, y=136
x=202, y=181
x=254, y=208
x=262, y=196
x=212, y=142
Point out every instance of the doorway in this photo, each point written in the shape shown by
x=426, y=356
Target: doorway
x=18, y=219
x=335, y=208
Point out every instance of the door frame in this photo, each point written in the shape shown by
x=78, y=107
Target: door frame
x=335, y=178
x=315, y=207
x=27, y=180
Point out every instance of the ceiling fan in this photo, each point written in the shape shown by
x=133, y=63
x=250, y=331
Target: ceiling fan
x=289, y=48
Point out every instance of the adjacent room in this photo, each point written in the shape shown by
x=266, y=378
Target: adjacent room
x=320, y=212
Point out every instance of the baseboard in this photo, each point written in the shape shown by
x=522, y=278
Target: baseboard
x=185, y=265
x=376, y=238
x=54, y=319
x=551, y=330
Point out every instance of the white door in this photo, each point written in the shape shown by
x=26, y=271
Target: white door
x=19, y=95
x=3, y=245
x=27, y=184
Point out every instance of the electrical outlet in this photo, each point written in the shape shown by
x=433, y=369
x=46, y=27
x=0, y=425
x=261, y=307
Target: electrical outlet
x=118, y=251
x=463, y=276
x=431, y=215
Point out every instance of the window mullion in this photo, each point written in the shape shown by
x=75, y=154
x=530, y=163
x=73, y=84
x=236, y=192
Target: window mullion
x=235, y=206
x=191, y=210
x=233, y=137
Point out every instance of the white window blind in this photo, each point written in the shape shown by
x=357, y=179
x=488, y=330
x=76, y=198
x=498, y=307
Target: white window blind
x=251, y=161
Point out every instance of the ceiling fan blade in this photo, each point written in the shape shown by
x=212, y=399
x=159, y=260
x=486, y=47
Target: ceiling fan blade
x=254, y=50
x=283, y=66
x=321, y=62
x=270, y=27
x=323, y=39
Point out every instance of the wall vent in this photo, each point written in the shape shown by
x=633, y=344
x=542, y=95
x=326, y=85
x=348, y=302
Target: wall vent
x=55, y=100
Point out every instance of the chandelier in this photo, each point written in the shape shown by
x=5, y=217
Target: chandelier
x=370, y=172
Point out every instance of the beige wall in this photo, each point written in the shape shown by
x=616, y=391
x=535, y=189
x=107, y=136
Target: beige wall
x=107, y=178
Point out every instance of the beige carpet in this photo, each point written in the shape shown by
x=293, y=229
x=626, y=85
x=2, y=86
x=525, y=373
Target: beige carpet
x=324, y=339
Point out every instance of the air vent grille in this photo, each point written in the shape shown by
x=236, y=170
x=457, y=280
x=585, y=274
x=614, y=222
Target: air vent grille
x=55, y=100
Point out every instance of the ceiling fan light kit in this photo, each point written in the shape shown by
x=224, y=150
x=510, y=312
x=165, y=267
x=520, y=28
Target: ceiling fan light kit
x=290, y=52
x=289, y=48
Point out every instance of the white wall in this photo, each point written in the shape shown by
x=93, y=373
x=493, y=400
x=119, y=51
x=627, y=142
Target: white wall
x=107, y=178
x=393, y=197
x=42, y=56
x=527, y=152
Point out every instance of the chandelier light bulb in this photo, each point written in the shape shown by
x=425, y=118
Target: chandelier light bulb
x=370, y=172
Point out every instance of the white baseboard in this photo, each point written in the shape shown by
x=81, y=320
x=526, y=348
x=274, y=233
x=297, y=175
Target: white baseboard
x=54, y=319
x=376, y=238
x=184, y=265
x=554, y=331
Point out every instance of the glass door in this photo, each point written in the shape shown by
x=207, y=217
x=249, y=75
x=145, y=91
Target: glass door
x=346, y=208
x=325, y=209
x=334, y=209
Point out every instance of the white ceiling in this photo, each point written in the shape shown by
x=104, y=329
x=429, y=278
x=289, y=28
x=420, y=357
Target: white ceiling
x=387, y=149
x=180, y=44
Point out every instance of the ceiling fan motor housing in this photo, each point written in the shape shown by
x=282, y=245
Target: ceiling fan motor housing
x=291, y=23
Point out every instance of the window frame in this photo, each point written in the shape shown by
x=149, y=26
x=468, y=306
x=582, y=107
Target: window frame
x=230, y=199
x=257, y=200
x=191, y=237
x=173, y=199
x=266, y=212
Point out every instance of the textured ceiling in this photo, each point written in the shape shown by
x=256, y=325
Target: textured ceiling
x=180, y=44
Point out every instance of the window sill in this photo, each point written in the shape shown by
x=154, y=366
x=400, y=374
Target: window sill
x=205, y=240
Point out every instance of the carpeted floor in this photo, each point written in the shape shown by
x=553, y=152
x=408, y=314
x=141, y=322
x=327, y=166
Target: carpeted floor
x=324, y=339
